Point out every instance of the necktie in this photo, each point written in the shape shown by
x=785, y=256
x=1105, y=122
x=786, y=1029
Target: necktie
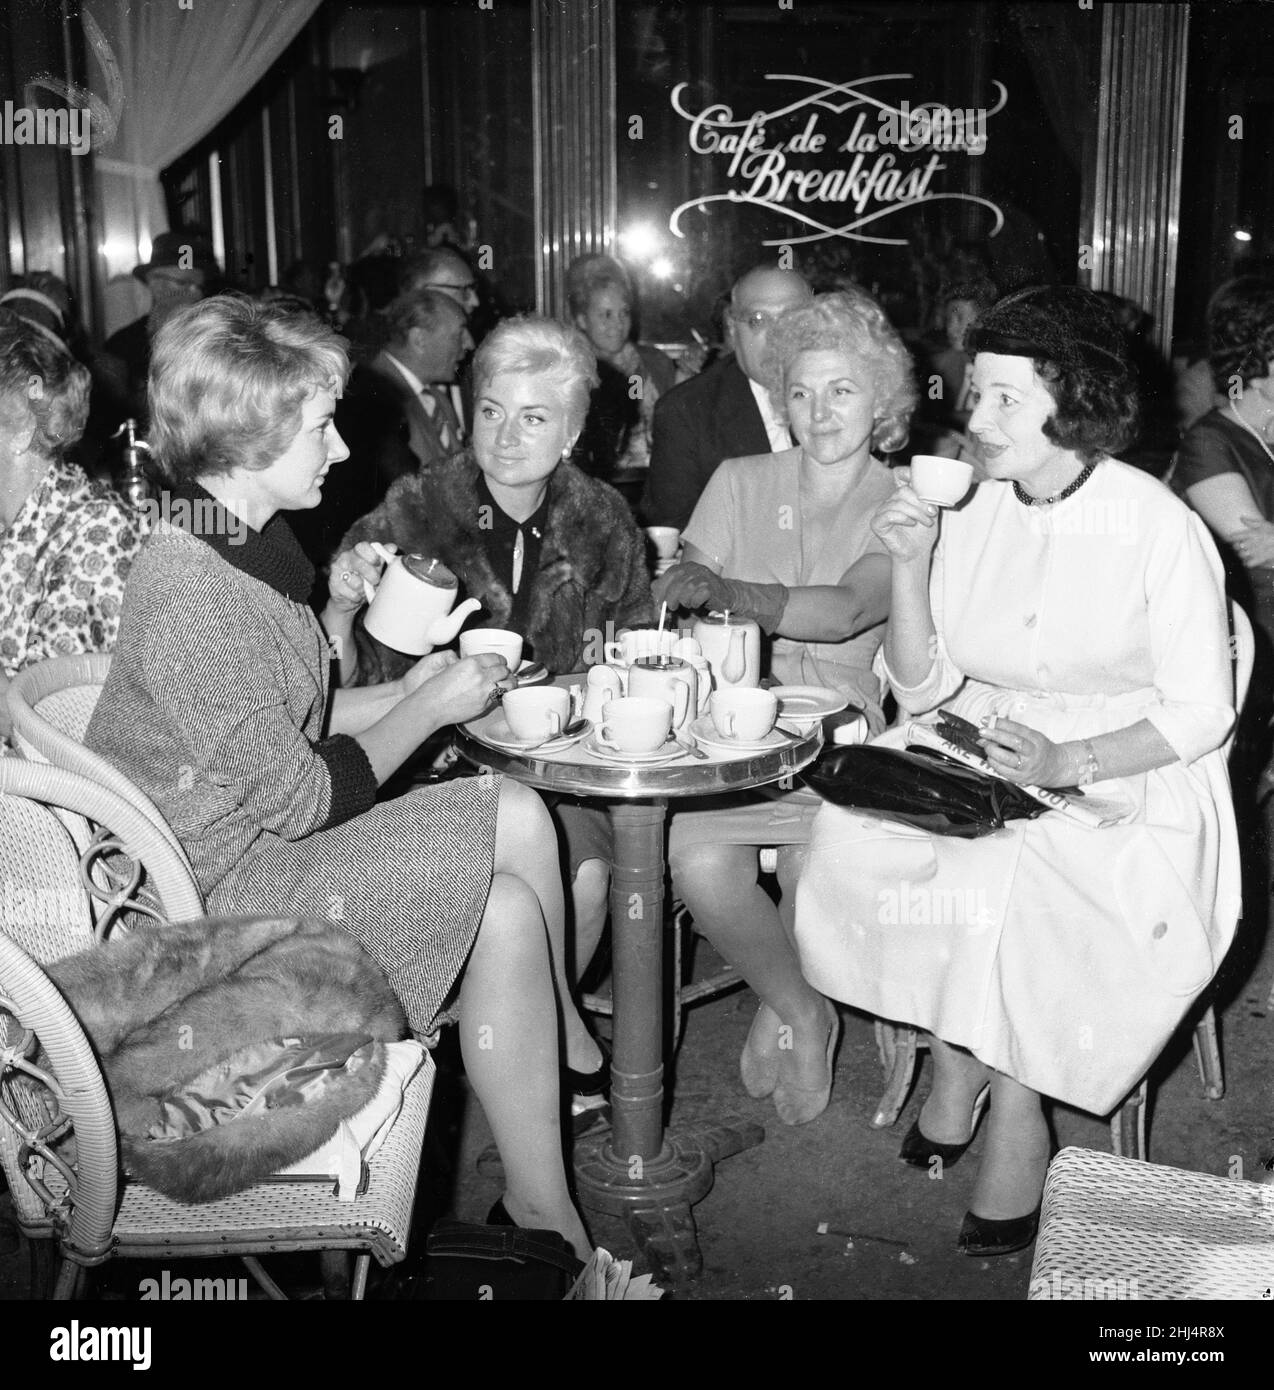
x=440, y=412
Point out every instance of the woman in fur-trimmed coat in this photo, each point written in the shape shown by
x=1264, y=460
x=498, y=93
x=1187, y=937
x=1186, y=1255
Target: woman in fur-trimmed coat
x=591, y=576
x=551, y=553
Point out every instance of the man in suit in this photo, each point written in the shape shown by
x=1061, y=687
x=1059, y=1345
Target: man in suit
x=444, y=268
x=724, y=412
x=396, y=415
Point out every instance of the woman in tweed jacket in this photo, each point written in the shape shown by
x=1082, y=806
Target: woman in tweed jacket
x=219, y=705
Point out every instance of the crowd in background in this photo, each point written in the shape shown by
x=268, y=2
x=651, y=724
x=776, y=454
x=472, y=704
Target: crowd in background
x=433, y=408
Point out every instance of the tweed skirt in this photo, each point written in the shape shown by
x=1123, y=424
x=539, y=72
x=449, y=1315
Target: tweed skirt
x=409, y=878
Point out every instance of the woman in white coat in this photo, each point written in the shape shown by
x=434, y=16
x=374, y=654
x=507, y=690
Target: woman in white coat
x=1075, y=610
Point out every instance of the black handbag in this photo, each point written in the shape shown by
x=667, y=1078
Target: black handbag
x=497, y=1263
x=920, y=787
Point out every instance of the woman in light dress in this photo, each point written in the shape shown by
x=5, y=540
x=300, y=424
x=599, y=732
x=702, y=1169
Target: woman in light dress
x=785, y=538
x=1075, y=609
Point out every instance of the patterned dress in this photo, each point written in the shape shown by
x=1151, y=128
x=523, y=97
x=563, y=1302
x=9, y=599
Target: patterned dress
x=64, y=561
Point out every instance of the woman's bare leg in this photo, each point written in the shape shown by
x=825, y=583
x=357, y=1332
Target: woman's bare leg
x=508, y=1036
x=590, y=897
x=958, y=1078
x=718, y=883
x=526, y=848
x=1015, y=1159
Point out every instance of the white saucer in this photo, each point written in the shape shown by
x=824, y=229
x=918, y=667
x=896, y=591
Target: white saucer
x=808, y=701
x=706, y=732
x=671, y=750
x=532, y=673
x=498, y=733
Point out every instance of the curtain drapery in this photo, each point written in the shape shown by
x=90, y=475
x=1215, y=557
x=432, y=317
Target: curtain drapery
x=180, y=72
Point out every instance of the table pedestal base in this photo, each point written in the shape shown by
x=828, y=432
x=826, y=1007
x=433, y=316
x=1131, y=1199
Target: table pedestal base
x=654, y=1196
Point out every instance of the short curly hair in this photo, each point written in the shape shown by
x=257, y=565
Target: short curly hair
x=1080, y=353
x=537, y=346
x=1241, y=332
x=851, y=322
x=589, y=275
x=228, y=379
x=40, y=379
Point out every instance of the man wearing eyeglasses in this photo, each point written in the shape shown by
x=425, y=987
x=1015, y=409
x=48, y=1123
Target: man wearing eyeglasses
x=724, y=412
x=444, y=270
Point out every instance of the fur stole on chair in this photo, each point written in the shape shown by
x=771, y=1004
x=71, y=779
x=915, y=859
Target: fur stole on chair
x=171, y=1003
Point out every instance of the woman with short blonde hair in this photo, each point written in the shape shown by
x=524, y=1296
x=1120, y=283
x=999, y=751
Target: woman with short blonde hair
x=220, y=706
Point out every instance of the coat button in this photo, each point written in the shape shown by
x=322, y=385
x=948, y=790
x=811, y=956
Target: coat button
x=1159, y=930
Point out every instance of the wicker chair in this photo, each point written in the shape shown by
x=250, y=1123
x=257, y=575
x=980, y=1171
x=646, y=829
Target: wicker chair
x=899, y=1044
x=1115, y=1228
x=85, y=1206
x=51, y=704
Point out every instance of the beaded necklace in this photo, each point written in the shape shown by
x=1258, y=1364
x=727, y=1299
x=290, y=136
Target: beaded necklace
x=1027, y=500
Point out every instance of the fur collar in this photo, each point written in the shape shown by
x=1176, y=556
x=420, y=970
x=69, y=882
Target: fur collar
x=440, y=509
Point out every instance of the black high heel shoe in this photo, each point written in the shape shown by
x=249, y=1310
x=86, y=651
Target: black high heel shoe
x=980, y=1235
x=919, y=1152
x=590, y=1083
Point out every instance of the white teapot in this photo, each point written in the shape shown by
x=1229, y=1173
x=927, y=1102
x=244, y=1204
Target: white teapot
x=411, y=608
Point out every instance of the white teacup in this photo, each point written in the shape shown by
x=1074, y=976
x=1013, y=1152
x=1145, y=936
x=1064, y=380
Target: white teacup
x=743, y=713
x=670, y=679
x=635, y=724
x=938, y=480
x=537, y=712
x=665, y=539
x=499, y=640
x=640, y=642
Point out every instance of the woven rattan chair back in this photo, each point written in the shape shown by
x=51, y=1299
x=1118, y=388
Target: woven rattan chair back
x=125, y=846
x=51, y=704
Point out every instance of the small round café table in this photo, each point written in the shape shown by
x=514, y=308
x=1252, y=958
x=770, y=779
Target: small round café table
x=638, y=1171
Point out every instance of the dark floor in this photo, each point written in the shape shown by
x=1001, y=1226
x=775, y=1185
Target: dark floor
x=759, y=1227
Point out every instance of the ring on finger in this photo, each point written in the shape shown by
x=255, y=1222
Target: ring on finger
x=1019, y=760
x=345, y=575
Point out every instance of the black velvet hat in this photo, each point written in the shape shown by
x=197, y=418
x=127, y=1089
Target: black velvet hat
x=1070, y=327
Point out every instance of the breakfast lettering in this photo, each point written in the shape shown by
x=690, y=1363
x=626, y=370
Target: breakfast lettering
x=769, y=155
